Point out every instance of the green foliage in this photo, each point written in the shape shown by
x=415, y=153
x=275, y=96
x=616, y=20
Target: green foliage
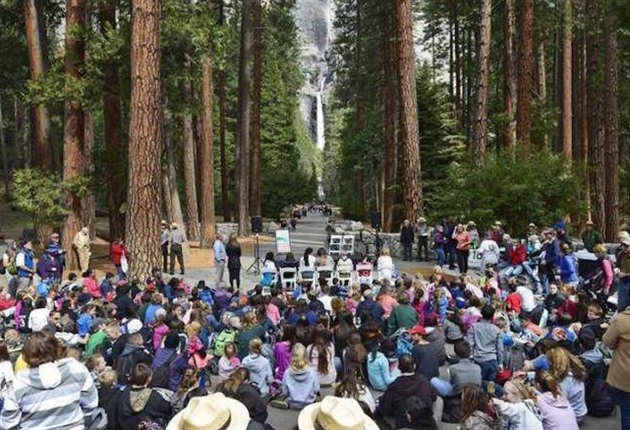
x=40, y=196
x=541, y=188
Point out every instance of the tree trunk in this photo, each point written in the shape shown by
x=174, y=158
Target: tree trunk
x=458, y=65
x=172, y=201
x=389, y=121
x=206, y=154
x=256, y=97
x=145, y=140
x=243, y=119
x=41, y=151
x=5, y=158
x=412, y=193
x=20, y=151
x=74, y=131
x=190, y=183
x=88, y=201
x=611, y=80
x=112, y=118
x=509, y=77
x=523, y=119
x=480, y=139
x=225, y=201
x=595, y=119
x=567, y=91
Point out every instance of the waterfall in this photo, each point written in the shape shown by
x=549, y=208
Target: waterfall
x=321, y=135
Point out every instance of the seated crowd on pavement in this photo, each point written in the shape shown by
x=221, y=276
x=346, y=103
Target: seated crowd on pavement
x=537, y=343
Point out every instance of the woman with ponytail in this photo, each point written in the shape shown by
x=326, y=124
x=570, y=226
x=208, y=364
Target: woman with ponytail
x=478, y=411
x=555, y=410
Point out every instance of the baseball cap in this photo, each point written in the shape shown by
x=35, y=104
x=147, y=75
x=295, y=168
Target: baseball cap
x=418, y=329
x=134, y=326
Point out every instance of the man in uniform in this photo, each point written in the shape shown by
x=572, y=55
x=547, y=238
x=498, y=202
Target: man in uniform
x=177, y=240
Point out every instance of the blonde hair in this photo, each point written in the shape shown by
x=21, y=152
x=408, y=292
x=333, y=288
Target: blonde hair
x=298, y=357
x=107, y=377
x=193, y=329
x=523, y=392
x=561, y=362
x=385, y=251
x=255, y=346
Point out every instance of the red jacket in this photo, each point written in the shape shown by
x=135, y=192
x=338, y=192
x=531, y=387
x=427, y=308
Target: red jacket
x=517, y=255
x=116, y=252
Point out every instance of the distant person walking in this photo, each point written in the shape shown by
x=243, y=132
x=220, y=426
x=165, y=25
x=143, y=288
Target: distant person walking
x=406, y=239
x=233, y=251
x=81, y=244
x=220, y=257
x=165, y=239
x=177, y=241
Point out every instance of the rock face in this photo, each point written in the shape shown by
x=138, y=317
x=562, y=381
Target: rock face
x=314, y=19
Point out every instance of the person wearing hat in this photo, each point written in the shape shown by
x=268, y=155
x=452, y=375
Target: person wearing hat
x=429, y=350
x=471, y=227
x=165, y=240
x=48, y=267
x=532, y=229
x=623, y=268
x=214, y=412
x=421, y=230
x=561, y=233
x=81, y=244
x=177, y=240
x=335, y=413
x=590, y=236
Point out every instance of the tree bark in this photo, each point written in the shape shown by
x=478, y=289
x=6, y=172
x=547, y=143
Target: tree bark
x=88, y=201
x=412, y=194
x=595, y=117
x=567, y=91
x=190, y=183
x=389, y=121
x=3, y=148
x=206, y=154
x=225, y=201
x=612, y=128
x=41, y=151
x=145, y=139
x=480, y=139
x=112, y=119
x=256, y=98
x=523, y=119
x=509, y=77
x=243, y=119
x=74, y=131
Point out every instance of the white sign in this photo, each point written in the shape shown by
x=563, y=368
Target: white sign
x=283, y=241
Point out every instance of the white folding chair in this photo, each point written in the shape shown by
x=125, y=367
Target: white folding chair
x=288, y=278
x=326, y=272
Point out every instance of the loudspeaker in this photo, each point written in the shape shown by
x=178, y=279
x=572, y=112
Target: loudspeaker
x=375, y=218
x=257, y=224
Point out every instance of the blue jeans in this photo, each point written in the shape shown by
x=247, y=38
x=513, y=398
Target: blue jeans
x=119, y=272
x=623, y=295
x=489, y=370
x=441, y=258
x=623, y=400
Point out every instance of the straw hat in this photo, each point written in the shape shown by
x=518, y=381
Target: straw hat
x=335, y=413
x=211, y=412
x=624, y=237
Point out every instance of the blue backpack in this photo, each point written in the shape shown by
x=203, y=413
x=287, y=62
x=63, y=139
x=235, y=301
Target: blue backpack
x=404, y=345
x=42, y=289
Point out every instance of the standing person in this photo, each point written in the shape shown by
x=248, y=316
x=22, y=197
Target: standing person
x=25, y=263
x=422, y=231
x=220, y=257
x=177, y=240
x=623, y=266
x=233, y=252
x=116, y=252
x=438, y=243
x=590, y=236
x=551, y=248
x=488, y=252
x=52, y=393
x=617, y=338
x=48, y=267
x=60, y=253
x=81, y=244
x=486, y=342
x=462, y=237
x=406, y=239
x=165, y=239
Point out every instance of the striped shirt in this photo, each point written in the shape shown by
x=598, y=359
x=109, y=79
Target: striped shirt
x=55, y=400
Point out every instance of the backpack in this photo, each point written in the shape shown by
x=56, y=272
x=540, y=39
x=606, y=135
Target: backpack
x=162, y=375
x=224, y=337
x=598, y=396
x=404, y=345
x=12, y=267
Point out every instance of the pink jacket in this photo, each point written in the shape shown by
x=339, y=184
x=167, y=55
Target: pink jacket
x=159, y=333
x=92, y=287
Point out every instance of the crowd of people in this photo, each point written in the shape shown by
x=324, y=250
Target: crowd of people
x=158, y=353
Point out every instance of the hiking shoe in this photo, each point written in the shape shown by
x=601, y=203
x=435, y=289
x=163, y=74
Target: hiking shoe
x=279, y=404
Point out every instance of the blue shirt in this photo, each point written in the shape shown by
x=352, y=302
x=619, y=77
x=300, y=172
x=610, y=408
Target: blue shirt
x=83, y=324
x=219, y=251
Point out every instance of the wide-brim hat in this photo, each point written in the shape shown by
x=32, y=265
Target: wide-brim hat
x=335, y=413
x=211, y=412
x=624, y=237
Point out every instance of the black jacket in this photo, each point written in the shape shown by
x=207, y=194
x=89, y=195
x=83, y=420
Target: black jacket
x=401, y=389
x=156, y=408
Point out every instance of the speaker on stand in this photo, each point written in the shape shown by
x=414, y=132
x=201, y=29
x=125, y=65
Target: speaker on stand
x=257, y=227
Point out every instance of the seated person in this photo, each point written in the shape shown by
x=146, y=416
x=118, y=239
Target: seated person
x=465, y=372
